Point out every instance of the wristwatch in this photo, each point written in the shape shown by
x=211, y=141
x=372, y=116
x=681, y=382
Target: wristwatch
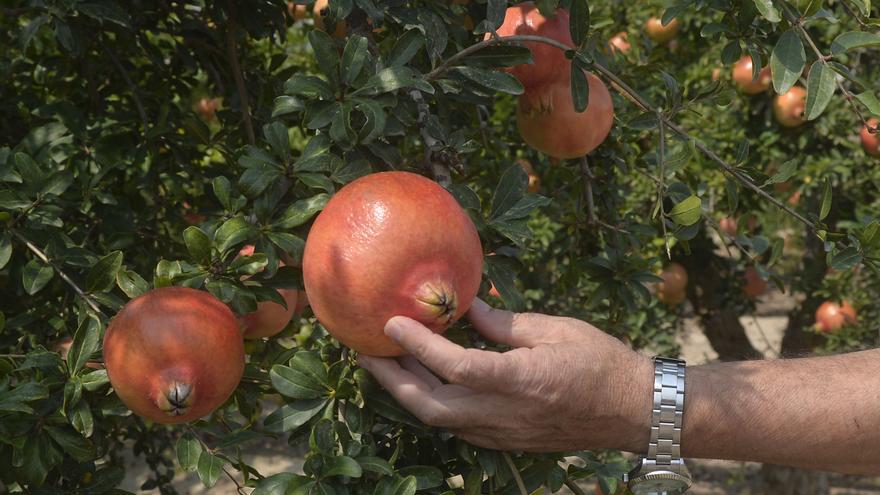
x=662, y=471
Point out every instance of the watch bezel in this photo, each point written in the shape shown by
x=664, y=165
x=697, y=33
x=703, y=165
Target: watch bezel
x=678, y=482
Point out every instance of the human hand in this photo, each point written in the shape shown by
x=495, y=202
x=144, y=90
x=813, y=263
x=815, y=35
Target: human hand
x=566, y=385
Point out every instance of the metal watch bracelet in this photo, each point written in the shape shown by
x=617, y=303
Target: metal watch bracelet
x=664, y=449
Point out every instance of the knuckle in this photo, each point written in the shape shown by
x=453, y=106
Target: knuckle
x=461, y=370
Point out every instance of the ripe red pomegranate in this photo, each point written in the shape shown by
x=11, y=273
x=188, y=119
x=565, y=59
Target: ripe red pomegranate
x=297, y=11
x=548, y=122
x=386, y=244
x=871, y=142
x=672, y=289
x=619, y=43
x=742, y=76
x=548, y=62
x=270, y=317
x=754, y=286
x=174, y=354
x=659, y=33
x=831, y=317
x=207, y=108
x=789, y=107
x=728, y=225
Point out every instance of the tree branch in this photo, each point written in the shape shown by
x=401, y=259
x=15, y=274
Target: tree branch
x=232, y=52
x=45, y=259
x=587, y=176
x=515, y=472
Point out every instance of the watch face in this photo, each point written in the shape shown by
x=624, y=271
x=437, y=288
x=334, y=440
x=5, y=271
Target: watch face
x=659, y=487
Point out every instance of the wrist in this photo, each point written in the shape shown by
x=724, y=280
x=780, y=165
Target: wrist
x=636, y=397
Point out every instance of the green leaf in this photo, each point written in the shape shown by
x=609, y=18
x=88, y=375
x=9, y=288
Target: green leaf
x=291, y=416
x=85, y=343
x=105, y=11
x=284, y=105
x=580, y=88
x=820, y=89
x=102, y=276
x=864, y=7
x=323, y=437
x=81, y=419
x=687, y=212
x=308, y=86
x=223, y=191
x=326, y=56
x=768, y=10
x=393, y=78
x=354, y=56
x=296, y=384
x=77, y=447
x=846, y=258
x=189, y=452
x=16, y=399
x=233, y=231
x=825, y=205
x=522, y=208
x=579, y=22
x=131, y=283
x=35, y=275
x=405, y=47
x=397, y=485
x=870, y=101
x=301, y=211
x=852, y=40
x=5, y=250
x=427, y=477
x=198, y=244
x=376, y=465
x=276, y=135
x=209, y=468
x=28, y=31
x=280, y=484
x=731, y=52
x=342, y=466
x=785, y=172
x=511, y=188
x=787, y=61
x=494, y=80
x=503, y=273
x=94, y=380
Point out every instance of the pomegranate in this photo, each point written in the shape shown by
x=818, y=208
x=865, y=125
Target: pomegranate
x=659, y=33
x=174, y=354
x=297, y=11
x=549, y=123
x=754, y=286
x=270, y=317
x=619, y=43
x=742, y=75
x=871, y=142
x=672, y=289
x=386, y=244
x=534, y=179
x=728, y=225
x=548, y=62
x=716, y=73
x=788, y=108
x=831, y=317
x=318, y=14
x=207, y=108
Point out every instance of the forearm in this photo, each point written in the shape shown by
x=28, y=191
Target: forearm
x=819, y=413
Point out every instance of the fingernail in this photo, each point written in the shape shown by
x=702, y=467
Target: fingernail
x=394, y=328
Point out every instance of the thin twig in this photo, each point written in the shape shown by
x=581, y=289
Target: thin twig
x=441, y=172
x=821, y=57
x=232, y=52
x=661, y=188
x=587, y=177
x=45, y=259
x=852, y=14
x=515, y=472
x=573, y=487
x=135, y=94
x=633, y=96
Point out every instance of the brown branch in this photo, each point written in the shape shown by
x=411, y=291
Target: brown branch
x=441, y=172
x=661, y=187
x=232, y=52
x=573, y=487
x=515, y=472
x=587, y=176
x=45, y=259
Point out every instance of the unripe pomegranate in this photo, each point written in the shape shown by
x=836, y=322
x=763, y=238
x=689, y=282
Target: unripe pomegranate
x=672, y=289
x=659, y=33
x=788, y=108
x=871, y=142
x=548, y=122
x=742, y=76
x=270, y=317
x=754, y=286
x=794, y=199
x=534, y=179
x=548, y=62
x=728, y=225
x=831, y=317
x=386, y=244
x=174, y=354
x=619, y=43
